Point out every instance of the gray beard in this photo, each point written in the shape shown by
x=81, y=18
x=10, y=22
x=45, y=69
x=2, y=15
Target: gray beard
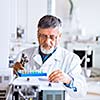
x=47, y=51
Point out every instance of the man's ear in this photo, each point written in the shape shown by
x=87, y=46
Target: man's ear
x=60, y=35
x=58, y=39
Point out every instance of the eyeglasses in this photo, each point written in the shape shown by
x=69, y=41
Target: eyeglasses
x=43, y=36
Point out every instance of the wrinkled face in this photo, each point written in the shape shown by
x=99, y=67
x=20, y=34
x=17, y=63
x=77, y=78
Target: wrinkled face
x=48, y=37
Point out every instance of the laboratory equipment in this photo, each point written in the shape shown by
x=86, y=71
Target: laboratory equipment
x=86, y=56
x=36, y=88
x=6, y=75
x=25, y=89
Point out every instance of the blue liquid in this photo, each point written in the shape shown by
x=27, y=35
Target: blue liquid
x=32, y=74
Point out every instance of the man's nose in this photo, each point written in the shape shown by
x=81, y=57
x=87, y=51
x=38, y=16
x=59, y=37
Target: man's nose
x=48, y=40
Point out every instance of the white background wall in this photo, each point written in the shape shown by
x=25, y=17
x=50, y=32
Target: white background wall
x=4, y=32
x=88, y=12
x=85, y=11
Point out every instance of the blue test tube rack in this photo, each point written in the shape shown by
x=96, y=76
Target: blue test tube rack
x=32, y=74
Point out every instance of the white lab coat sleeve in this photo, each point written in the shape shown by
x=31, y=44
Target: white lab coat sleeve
x=80, y=84
x=79, y=81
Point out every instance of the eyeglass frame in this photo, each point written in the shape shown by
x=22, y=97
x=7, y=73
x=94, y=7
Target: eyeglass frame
x=43, y=36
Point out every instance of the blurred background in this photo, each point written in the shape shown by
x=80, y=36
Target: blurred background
x=81, y=32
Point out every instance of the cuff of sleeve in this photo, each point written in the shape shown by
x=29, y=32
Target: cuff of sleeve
x=71, y=85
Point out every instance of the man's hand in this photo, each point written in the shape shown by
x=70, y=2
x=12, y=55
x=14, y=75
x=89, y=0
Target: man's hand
x=18, y=66
x=59, y=76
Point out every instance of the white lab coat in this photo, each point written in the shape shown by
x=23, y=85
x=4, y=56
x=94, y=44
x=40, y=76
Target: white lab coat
x=62, y=59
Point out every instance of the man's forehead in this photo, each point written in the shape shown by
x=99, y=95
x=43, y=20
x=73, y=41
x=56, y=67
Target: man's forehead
x=52, y=31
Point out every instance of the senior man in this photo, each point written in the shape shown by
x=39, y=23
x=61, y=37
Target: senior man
x=60, y=64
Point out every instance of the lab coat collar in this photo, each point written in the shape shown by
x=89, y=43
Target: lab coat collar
x=36, y=56
x=56, y=56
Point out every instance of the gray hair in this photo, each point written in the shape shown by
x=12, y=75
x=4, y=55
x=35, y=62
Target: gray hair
x=49, y=21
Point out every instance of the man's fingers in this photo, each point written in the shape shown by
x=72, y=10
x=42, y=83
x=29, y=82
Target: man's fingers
x=18, y=66
x=55, y=76
x=54, y=73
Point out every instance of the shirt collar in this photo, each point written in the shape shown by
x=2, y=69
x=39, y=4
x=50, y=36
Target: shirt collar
x=57, y=54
